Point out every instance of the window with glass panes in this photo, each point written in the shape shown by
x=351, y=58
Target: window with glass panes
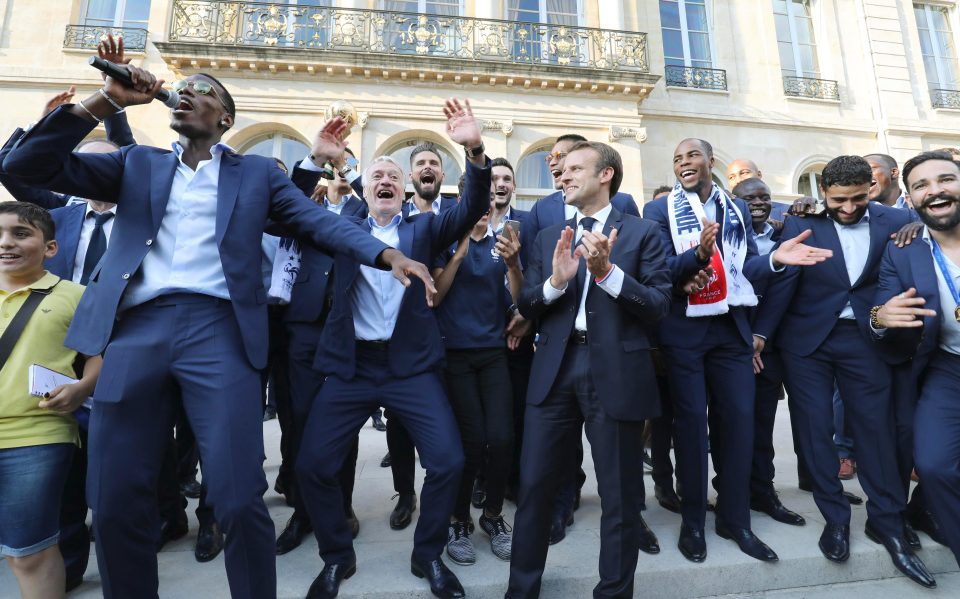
x=795, y=38
x=553, y=12
x=686, y=33
x=430, y=7
x=278, y=145
x=937, y=46
x=116, y=13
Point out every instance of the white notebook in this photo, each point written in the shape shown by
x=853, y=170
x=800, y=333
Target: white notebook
x=42, y=380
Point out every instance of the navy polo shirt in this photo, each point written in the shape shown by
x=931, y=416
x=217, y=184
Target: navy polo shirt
x=473, y=315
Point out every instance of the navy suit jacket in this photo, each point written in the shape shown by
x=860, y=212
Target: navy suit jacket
x=68, y=221
x=550, y=210
x=138, y=178
x=416, y=345
x=802, y=306
x=619, y=329
x=677, y=329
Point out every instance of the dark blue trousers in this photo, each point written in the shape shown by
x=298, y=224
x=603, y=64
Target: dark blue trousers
x=722, y=369
x=769, y=385
x=189, y=343
x=338, y=414
x=937, y=443
x=864, y=380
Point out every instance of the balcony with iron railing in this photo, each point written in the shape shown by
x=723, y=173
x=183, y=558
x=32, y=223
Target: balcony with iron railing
x=86, y=37
x=808, y=87
x=296, y=38
x=945, y=98
x=696, y=77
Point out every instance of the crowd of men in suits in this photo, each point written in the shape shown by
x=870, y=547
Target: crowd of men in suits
x=495, y=338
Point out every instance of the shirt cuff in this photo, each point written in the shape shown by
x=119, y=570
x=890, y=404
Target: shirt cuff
x=878, y=333
x=352, y=176
x=551, y=293
x=308, y=165
x=782, y=268
x=613, y=284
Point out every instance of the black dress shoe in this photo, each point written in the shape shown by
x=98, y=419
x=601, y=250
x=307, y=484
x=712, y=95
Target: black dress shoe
x=747, y=542
x=924, y=521
x=835, y=542
x=353, y=522
x=558, y=528
x=903, y=557
x=386, y=462
x=378, y=422
x=173, y=529
x=280, y=485
x=667, y=498
x=910, y=536
x=772, y=507
x=269, y=413
x=209, y=542
x=73, y=583
x=297, y=528
x=327, y=584
x=402, y=515
x=692, y=544
x=190, y=488
x=648, y=540
x=443, y=582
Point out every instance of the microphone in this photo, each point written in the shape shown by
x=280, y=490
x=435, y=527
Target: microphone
x=169, y=98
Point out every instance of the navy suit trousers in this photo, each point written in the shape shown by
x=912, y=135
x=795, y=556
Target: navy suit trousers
x=338, y=414
x=769, y=384
x=189, y=343
x=864, y=380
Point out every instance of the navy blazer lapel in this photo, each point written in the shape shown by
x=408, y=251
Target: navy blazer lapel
x=558, y=210
x=826, y=232
x=925, y=278
x=228, y=187
x=163, y=167
x=405, y=232
x=71, y=235
x=614, y=221
x=878, y=240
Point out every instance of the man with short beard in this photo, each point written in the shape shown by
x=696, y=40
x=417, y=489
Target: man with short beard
x=918, y=323
x=820, y=316
x=426, y=176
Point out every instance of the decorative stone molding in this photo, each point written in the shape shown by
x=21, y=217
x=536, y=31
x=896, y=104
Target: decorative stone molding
x=617, y=133
x=506, y=127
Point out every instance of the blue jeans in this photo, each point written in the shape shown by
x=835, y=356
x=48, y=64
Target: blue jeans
x=31, y=484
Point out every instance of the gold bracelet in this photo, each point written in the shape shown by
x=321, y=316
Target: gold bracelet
x=875, y=317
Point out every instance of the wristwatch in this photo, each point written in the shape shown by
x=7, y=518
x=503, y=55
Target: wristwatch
x=344, y=171
x=474, y=152
x=875, y=318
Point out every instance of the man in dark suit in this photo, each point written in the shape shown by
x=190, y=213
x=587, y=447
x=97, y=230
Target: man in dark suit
x=713, y=350
x=381, y=345
x=165, y=306
x=595, y=307
x=918, y=323
x=820, y=316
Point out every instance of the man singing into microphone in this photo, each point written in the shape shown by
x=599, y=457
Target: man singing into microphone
x=164, y=307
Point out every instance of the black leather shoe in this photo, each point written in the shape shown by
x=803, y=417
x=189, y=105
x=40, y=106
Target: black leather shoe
x=386, y=462
x=903, y=557
x=910, y=536
x=209, y=542
x=692, y=544
x=402, y=515
x=924, y=521
x=648, y=540
x=558, y=528
x=747, y=542
x=443, y=582
x=353, y=522
x=835, y=542
x=297, y=528
x=190, y=488
x=72, y=583
x=667, y=498
x=378, y=422
x=327, y=584
x=280, y=485
x=772, y=507
x=173, y=529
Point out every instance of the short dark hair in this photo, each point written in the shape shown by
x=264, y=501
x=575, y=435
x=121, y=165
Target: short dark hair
x=502, y=162
x=707, y=147
x=608, y=157
x=31, y=215
x=662, y=189
x=224, y=94
x=740, y=187
x=949, y=150
x=461, y=183
x=846, y=170
x=427, y=146
x=887, y=159
x=922, y=157
x=574, y=137
x=282, y=165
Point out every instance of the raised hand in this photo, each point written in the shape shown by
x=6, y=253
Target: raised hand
x=596, y=250
x=794, y=252
x=564, y=262
x=904, y=311
x=708, y=240
x=508, y=246
x=327, y=145
x=462, y=128
x=112, y=50
x=144, y=89
x=59, y=99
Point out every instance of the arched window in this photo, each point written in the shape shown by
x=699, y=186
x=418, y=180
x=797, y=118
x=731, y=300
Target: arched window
x=277, y=145
x=809, y=182
x=534, y=180
x=451, y=166
x=116, y=13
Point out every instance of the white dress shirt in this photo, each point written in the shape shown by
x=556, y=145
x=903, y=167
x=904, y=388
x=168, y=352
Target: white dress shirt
x=335, y=208
x=855, y=243
x=949, y=327
x=434, y=207
x=184, y=257
x=764, y=240
x=86, y=233
x=377, y=294
x=612, y=284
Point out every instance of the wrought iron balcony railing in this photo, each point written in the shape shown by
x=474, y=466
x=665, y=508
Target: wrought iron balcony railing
x=385, y=33
x=698, y=77
x=806, y=87
x=88, y=36
x=945, y=98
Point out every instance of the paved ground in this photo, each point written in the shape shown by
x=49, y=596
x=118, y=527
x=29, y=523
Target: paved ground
x=383, y=554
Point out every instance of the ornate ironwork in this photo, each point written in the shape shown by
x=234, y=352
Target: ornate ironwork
x=806, y=87
x=242, y=23
x=88, y=36
x=945, y=98
x=698, y=77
